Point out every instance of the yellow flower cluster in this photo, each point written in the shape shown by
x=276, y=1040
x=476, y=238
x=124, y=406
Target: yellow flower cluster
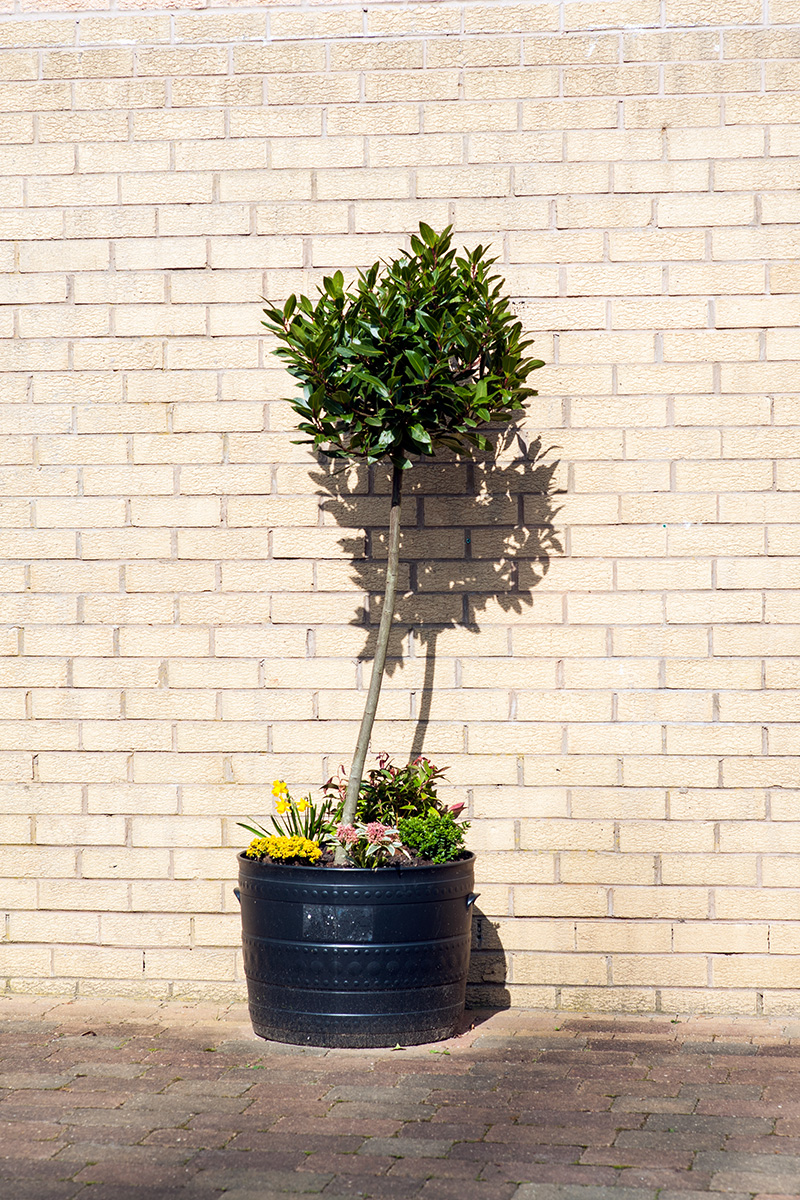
x=284, y=849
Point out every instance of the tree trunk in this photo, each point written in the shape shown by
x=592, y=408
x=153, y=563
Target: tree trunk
x=378, y=662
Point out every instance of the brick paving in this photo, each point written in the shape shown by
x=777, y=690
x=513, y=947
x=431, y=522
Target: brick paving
x=124, y=1100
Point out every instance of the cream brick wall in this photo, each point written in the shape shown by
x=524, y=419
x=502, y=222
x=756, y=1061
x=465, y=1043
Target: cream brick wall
x=611, y=625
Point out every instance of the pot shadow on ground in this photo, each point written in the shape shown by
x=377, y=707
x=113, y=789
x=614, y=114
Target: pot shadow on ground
x=478, y=538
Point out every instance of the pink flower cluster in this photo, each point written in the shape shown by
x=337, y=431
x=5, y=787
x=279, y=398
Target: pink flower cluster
x=346, y=834
x=375, y=832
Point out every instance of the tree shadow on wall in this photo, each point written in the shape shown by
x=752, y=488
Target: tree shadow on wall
x=478, y=537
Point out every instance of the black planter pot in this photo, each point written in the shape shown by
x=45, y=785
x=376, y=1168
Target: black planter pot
x=349, y=957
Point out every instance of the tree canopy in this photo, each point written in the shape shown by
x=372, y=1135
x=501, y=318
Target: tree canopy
x=418, y=355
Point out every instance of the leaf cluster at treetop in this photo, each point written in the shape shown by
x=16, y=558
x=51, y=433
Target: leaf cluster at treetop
x=418, y=356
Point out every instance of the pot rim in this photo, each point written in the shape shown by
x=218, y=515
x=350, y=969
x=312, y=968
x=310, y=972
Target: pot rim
x=396, y=870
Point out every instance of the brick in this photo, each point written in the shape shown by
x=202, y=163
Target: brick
x=121, y=29
x=286, y=56
x=76, y=255
x=250, y=251
x=49, y=927
x=378, y=55
x=463, y=181
x=17, y=959
x=40, y=33
x=17, y=223
x=672, y=112
x=184, y=188
x=661, y=312
x=83, y=127
x=119, y=93
x=689, y=903
x=263, y=643
x=714, y=278
x=705, y=210
x=560, y=900
x=618, y=211
x=86, y=64
x=510, y=18
x=650, y=177
x=779, y=209
x=783, y=140
x=24, y=160
x=571, y=49
x=34, y=97
x=198, y=673
x=612, y=145
x=144, y=929
x=14, y=129
x=629, y=79
x=216, y=27
x=758, y=311
x=660, y=969
x=670, y=46
x=781, y=76
x=746, y=244
x=627, y=937
x=311, y=88
x=210, y=60
x=684, y=78
x=316, y=24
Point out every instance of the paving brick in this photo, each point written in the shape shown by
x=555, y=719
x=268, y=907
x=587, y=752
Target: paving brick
x=462, y=1189
x=407, y=1147
x=537, y=1133
x=549, y=1191
x=347, y=1185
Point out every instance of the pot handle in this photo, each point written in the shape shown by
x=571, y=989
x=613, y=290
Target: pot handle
x=471, y=898
x=237, y=894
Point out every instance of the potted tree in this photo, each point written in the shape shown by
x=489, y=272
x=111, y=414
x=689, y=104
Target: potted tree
x=355, y=909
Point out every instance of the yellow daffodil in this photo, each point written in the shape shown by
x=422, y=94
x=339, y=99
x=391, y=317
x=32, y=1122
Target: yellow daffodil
x=282, y=806
x=302, y=805
x=279, y=788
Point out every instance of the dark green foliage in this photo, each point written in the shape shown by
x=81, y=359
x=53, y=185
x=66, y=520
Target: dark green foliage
x=434, y=836
x=389, y=793
x=419, y=354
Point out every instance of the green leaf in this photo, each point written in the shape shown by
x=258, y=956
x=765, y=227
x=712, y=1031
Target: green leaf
x=428, y=234
x=417, y=364
x=428, y=325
